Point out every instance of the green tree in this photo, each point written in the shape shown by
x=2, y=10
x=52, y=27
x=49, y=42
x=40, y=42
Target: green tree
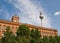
x=0, y=41
x=58, y=39
x=52, y=39
x=45, y=40
x=35, y=34
x=9, y=37
x=23, y=34
x=23, y=39
x=23, y=30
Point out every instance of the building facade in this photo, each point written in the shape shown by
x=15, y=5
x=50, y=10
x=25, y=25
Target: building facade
x=14, y=24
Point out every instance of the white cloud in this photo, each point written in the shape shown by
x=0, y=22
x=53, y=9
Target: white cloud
x=31, y=13
x=57, y=13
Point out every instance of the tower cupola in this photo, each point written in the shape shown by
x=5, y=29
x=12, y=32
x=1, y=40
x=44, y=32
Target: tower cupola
x=15, y=18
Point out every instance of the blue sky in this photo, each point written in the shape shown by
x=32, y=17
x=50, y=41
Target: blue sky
x=29, y=11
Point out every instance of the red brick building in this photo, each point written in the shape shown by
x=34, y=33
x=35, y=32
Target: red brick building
x=14, y=24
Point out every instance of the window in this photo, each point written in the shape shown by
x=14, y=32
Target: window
x=0, y=31
x=3, y=32
x=4, y=25
x=16, y=27
x=12, y=27
x=0, y=24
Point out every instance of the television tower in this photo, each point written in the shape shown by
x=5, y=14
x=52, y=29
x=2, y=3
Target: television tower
x=41, y=18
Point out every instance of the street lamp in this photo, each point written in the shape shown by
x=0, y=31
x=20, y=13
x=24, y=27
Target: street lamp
x=41, y=17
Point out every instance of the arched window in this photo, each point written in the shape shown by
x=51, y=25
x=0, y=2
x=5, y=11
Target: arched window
x=4, y=25
x=0, y=24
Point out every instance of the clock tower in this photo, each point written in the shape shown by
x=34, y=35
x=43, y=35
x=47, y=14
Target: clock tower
x=15, y=18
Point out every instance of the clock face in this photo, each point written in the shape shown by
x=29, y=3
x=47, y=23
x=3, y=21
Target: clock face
x=15, y=21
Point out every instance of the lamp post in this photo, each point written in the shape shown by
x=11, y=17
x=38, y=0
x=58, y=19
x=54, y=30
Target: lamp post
x=41, y=18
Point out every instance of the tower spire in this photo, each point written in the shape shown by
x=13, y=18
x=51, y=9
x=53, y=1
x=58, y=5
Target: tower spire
x=41, y=18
